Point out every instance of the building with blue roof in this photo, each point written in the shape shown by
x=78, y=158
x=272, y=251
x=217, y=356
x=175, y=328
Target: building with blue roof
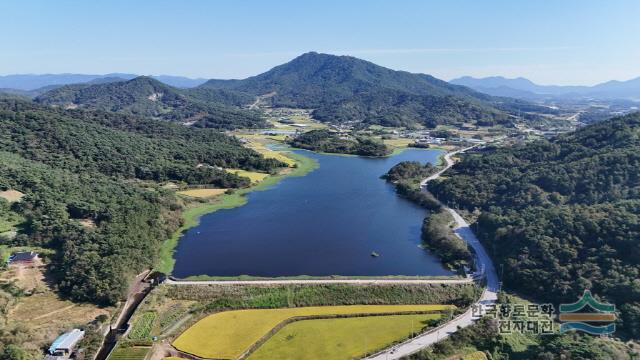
x=64, y=344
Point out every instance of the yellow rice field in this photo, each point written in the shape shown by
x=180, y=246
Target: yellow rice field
x=226, y=335
x=202, y=193
x=339, y=339
x=255, y=177
x=398, y=142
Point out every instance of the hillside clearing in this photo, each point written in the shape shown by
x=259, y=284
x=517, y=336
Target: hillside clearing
x=11, y=195
x=254, y=176
x=202, y=193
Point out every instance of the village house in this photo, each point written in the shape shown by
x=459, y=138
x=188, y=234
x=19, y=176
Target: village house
x=22, y=257
x=62, y=347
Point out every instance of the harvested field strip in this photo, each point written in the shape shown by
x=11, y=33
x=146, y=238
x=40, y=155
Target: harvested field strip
x=202, y=193
x=236, y=331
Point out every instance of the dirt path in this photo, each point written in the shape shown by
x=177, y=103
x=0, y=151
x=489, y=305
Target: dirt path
x=54, y=312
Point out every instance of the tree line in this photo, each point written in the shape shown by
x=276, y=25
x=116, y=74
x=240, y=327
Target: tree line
x=561, y=216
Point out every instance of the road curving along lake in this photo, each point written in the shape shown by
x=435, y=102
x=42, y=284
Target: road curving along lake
x=328, y=222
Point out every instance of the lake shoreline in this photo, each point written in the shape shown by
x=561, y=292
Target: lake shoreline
x=192, y=214
x=310, y=277
x=305, y=165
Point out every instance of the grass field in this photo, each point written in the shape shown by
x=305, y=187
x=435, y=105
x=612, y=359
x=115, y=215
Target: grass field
x=255, y=177
x=226, y=335
x=398, y=142
x=129, y=353
x=258, y=143
x=202, y=193
x=39, y=318
x=476, y=355
x=268, y=153
x=337, y=339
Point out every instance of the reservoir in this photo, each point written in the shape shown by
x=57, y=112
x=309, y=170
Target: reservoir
x=328, y=222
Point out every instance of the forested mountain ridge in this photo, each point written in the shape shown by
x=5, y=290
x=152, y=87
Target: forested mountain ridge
x=75, y=165
x=149, y=97
x=563, y=216
x=344, y=88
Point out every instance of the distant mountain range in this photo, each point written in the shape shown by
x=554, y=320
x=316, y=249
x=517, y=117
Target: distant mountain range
x=338, y=88
x=522, y=88
x=347, y=89
x=149, y=97
x=30, y=82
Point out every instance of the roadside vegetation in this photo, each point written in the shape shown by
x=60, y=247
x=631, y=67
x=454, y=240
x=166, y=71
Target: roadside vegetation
x=437, y=232
x=406, y=177
x=562, y=216
x=483, y=340
x=438, y=235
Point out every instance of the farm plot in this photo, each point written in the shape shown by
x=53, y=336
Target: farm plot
x=129, y=353
x=227, y=335
x=142, y=327
x=345, y=338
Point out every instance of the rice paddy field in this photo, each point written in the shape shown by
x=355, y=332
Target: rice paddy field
x=228, y=334
x=337, y=339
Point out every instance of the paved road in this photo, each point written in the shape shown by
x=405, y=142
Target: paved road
x=320, y=281
x=489, y=295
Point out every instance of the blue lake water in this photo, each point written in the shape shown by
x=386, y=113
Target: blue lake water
x=324, y=223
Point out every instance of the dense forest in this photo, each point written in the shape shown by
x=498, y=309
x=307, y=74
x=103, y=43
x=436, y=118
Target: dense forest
x=77, y=165
x=561, y=216
x=331, y=142
x=146, y=96
x=343, y=88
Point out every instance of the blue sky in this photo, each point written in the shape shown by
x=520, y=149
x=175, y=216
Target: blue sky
x=550, y=42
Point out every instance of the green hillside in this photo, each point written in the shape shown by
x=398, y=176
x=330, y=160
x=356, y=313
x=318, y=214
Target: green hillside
x=561, y=216
x=103, y=168
x=149, y=97
x=343, y=88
